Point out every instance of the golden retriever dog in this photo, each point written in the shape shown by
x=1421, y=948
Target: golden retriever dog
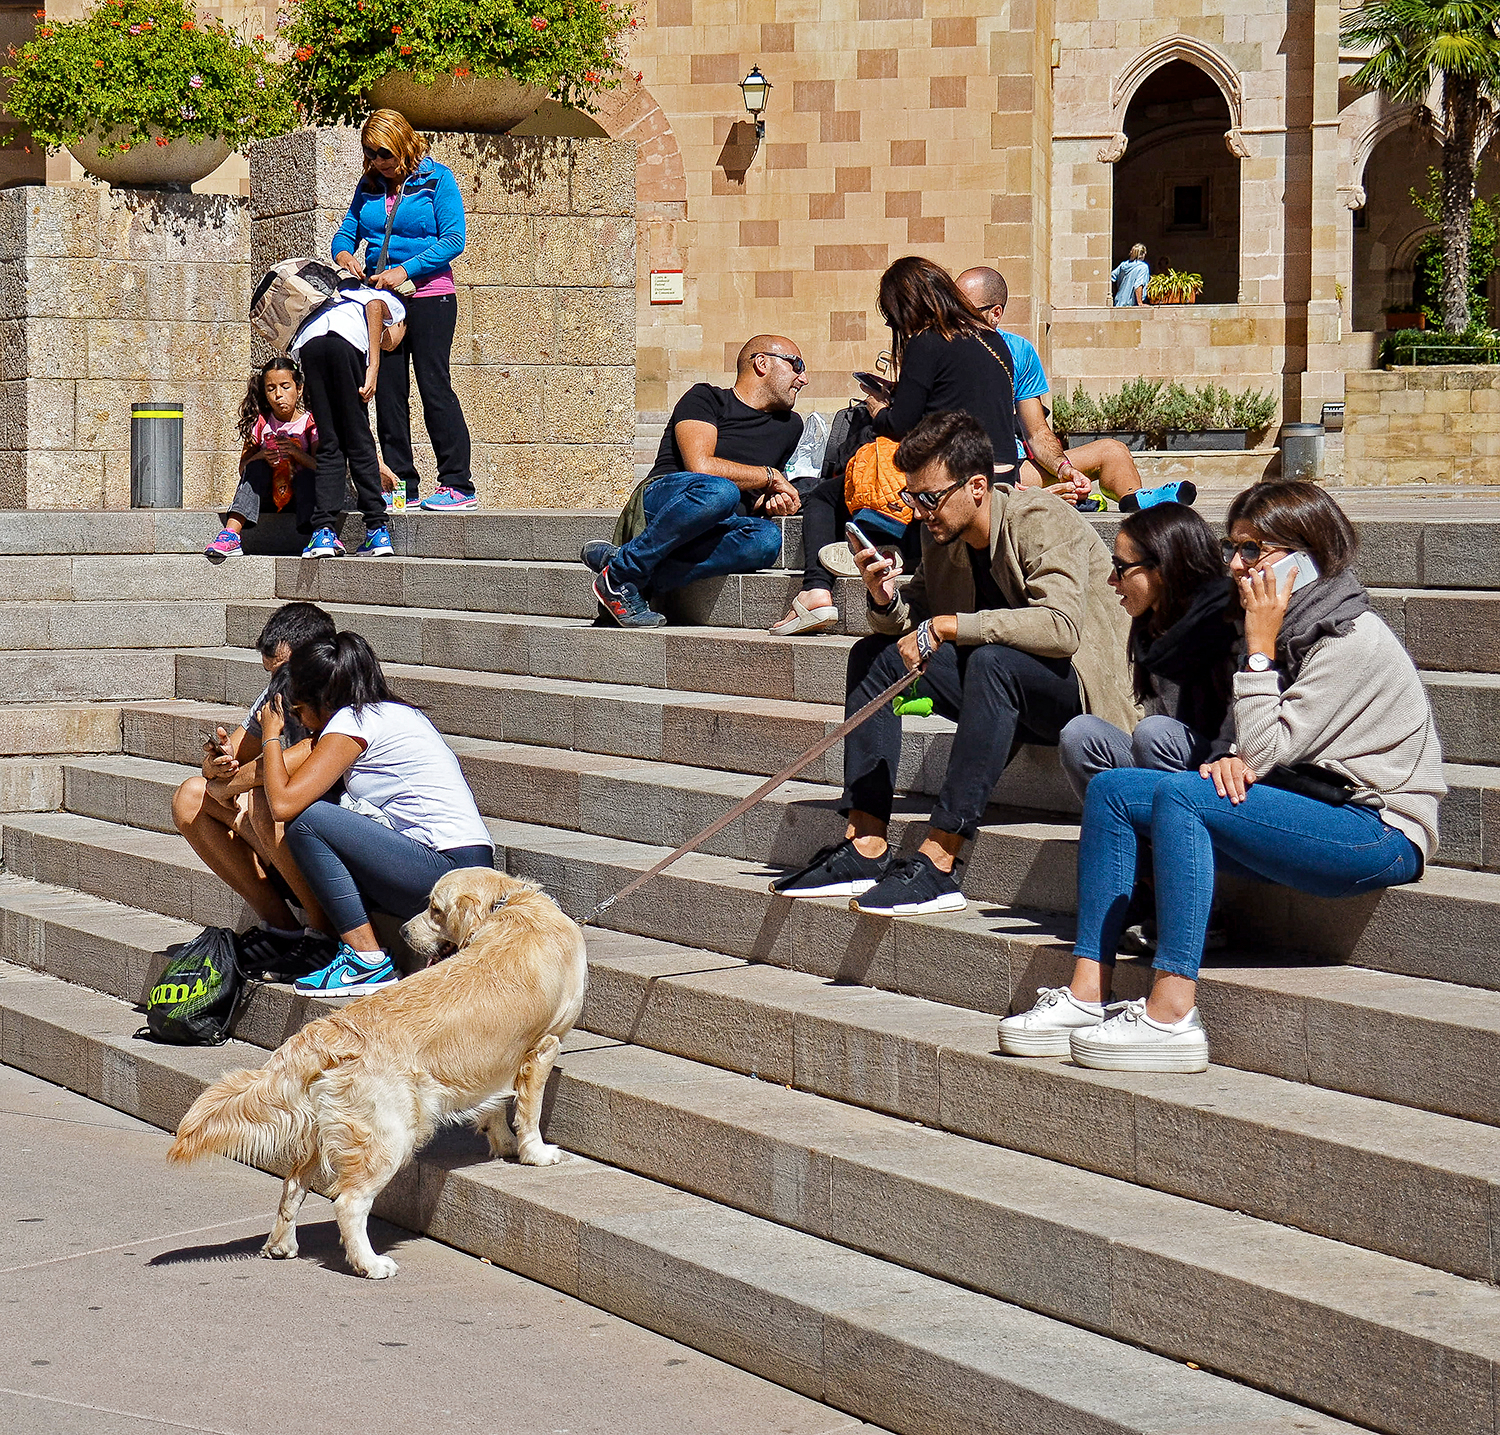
x=353, y=1095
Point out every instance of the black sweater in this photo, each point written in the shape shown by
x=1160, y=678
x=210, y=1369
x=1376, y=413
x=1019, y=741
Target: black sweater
x=969, y=374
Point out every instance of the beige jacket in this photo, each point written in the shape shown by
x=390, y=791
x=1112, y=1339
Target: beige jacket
x=1053, y=568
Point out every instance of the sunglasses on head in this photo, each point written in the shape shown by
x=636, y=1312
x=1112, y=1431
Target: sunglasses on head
x=799, y=366
x=1250, y=552
x=381, y=153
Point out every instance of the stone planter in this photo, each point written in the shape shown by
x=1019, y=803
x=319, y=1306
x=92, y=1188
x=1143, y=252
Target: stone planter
x=1205, y=440
x=1136, y=441
x=1171, y=299
x=486, y=106
x=174, y=165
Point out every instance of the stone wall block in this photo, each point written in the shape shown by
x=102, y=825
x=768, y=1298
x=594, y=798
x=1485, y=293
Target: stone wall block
x=585, y=252
x=84, y=288
x=501, y=249
x=597, y=326
x=167, y=228
x=512, y=326
x=511, y=174
x=297, y=172
x=589, y=405
x=601, y=178
x=580, y=476
x=44, y=349
x=36, y=414
x=503, y=404
x=200, y=293
x=64, y=479
x=55, y=223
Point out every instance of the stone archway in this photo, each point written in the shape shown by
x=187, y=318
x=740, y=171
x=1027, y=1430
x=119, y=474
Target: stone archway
x=1156, y=57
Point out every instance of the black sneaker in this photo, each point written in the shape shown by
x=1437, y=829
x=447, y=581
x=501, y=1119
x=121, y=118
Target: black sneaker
x=269, y=958
x=597, y=555
x=911, y=888
x=623, y=603
x=836, y=871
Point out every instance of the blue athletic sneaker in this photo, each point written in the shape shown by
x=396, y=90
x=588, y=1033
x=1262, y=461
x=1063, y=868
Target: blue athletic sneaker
x=324, y=544
x=1182, y=492
x=377, y=543
x=449, y=500
x=348, y=975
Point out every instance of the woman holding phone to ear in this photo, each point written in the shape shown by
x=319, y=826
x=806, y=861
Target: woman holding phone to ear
x=1327, y=780
x=408, y=194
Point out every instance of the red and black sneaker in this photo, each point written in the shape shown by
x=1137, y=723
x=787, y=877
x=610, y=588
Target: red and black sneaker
x=623, y=603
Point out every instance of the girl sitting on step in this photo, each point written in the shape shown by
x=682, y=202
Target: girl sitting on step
x=406, y=816
x=1330, y=786
x=276, y=463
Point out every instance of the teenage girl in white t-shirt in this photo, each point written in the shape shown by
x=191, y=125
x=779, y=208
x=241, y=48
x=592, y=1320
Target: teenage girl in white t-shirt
x=415, y=817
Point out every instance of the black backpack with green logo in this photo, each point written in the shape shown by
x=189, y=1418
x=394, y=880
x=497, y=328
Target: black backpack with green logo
x=194, y=999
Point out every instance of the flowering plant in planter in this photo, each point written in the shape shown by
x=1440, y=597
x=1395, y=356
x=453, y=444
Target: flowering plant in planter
x=340, y=48
x=134, y=72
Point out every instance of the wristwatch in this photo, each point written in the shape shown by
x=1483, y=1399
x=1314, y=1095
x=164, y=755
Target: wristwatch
x=1258, y=663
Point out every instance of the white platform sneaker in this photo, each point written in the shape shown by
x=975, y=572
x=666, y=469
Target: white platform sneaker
x=1045, y=1029
x=1132, y=1041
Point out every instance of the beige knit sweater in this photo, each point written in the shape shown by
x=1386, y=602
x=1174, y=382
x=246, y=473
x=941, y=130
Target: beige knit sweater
x=1359, y=708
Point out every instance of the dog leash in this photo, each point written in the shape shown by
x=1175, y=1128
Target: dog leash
x=764, y=790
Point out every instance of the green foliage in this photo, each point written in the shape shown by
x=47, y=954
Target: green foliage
x=1153, y=406
x=1484, y=235
x=147, y=68
x=1133, y=409
x=1079, y=414
x=1252, y=409
x=1418, y=42
x=1475, y=345
x=339, y=48
x=1174, y=286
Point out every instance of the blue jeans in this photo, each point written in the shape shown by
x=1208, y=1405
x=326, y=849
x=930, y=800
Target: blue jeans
x=1273, y=836
x=694, y=530
x=352, y=862
x=1089, y=746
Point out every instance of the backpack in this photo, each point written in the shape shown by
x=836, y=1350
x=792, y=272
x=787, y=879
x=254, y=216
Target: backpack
x=194, y=999
x=288, y=296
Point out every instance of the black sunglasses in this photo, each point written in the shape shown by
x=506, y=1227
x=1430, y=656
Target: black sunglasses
x=381, y=153
x=930, y=499
x=1251, y=552
x=1121, y=567
x=799, y=366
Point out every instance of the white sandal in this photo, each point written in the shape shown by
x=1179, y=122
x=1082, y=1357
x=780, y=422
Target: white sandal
x=804, y=620
x=838, y=559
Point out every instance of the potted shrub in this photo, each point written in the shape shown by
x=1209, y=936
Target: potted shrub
x=147, y=94
x=1129, y=416
x=1211, y=418
x=1174, y=286
x=451, y=64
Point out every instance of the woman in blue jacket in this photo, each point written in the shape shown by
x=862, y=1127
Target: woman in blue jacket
x=427, y=235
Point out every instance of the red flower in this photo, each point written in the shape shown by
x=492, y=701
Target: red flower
x=460, y=74
x=98, y=64
x=395, y=29
x=163, y=140
x=40, y=14
x=303, y=52
x=591, y=76
x=188, y=25
x=45, y=32
x=538, y=22
x=406, y=49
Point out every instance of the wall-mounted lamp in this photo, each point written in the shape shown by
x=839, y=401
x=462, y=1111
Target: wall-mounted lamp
x=756, y=88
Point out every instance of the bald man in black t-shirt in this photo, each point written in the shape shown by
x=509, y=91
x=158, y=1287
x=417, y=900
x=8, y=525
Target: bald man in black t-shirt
x=705, y=509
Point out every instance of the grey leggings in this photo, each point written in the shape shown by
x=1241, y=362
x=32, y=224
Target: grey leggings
x=1089, y=745
x=348, y=858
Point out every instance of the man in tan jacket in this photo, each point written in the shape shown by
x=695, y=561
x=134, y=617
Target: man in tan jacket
x=1016, y=630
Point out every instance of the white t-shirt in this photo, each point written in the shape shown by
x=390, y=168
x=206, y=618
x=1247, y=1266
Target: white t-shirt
x=411, y=775
x=346, y=318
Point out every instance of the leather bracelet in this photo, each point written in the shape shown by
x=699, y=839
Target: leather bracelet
x=279, y=739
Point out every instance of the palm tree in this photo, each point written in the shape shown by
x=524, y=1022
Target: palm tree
x=1443, y=56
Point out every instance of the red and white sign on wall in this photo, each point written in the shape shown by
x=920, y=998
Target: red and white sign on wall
x=666, y=286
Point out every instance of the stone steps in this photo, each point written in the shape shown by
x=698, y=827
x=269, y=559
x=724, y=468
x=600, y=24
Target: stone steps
x=42, y=627
x=881, y=1341
x=68, y=677
x=164, y=579
x=1420, y=1043
x=1345, y=1167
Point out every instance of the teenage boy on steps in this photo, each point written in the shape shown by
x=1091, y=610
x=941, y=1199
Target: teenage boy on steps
x=1011, y=619
x=339, y=350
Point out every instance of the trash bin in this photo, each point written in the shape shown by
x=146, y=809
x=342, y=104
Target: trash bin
x=156, y=455
x=1302, y=451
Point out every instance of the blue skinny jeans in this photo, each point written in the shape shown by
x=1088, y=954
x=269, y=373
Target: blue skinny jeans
x=694, y=530
x=1272, y=835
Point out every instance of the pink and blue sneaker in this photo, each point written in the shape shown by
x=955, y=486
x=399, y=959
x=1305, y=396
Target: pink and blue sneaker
x=377, y=543
x=449, y=500
x=226, y=545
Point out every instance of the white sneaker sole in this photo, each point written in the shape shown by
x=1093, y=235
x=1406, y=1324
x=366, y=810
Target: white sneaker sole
x=1108, y=1056
x=856, y=888
x=362, y=990
x=322, y=553
x=948, y=902
x=1056, y=1042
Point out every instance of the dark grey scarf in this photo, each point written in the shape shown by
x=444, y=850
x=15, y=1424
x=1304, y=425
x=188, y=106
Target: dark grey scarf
x=1324, y=609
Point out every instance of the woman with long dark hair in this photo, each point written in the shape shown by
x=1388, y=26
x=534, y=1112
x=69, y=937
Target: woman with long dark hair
x=1331, y=786
x=1170, y=579
x=405, y=818
x=405, y=190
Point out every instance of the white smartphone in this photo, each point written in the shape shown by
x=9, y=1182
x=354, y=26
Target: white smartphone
x=854, y=531
x=1301, y=565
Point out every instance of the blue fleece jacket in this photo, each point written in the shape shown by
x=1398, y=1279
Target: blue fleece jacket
x=429, y=231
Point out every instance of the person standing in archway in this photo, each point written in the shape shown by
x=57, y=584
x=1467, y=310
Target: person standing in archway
x=1130, y=277
x=408, y=213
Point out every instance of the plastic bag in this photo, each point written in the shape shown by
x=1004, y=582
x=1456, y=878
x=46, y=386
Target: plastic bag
x=807, y=458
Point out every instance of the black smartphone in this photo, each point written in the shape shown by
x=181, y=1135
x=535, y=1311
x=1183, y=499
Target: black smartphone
x=874, y=384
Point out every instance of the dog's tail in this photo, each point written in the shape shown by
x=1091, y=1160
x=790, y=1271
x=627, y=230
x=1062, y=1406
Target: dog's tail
x=253, y=1116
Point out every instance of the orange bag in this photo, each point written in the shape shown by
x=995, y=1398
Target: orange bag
x=872, y=481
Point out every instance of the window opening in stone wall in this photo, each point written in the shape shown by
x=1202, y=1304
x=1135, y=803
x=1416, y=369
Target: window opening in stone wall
x=1177, y=187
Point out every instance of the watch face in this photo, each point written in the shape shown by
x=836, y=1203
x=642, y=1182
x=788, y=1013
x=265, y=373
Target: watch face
x=1258, y=662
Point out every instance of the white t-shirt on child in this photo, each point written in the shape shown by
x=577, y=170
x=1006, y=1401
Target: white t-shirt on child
x=411, y=775
x=346, y=318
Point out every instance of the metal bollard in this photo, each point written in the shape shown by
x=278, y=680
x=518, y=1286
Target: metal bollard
x=1302, y=451
x=156, y=455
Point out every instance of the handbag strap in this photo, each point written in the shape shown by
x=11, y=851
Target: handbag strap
x=390, y=223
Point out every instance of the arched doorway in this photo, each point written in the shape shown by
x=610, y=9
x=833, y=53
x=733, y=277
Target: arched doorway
x=1177, y=186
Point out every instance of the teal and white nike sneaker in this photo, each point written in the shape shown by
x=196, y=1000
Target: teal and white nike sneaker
x=349, y=975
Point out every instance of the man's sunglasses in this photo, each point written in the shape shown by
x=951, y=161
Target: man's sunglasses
x=1121, y=567
x=1250, y=552
x=799, y=365
x=930, y=499
x=381, y=153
